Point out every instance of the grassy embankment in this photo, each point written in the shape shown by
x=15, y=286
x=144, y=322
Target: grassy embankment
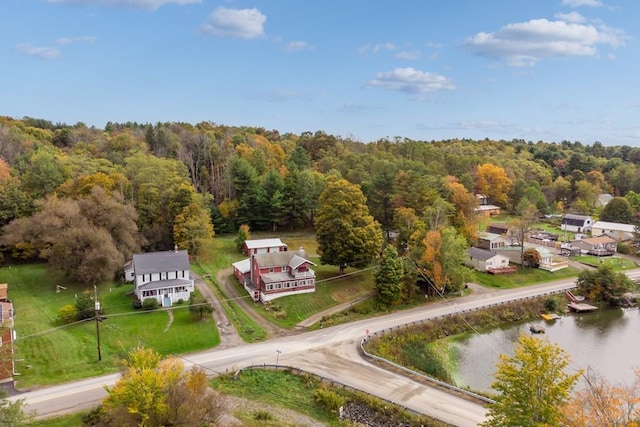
x=49, y=352
x=614, y=262
x=302, y=394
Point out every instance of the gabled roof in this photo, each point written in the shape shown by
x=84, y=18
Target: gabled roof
x=600, y=240
x=499, y=225
x=617, y=226
x=264, y=243
x=483, y=235
x=575, y=219
x=157, y=262
x=279, y=259
x=481, y=254
x=243, y=266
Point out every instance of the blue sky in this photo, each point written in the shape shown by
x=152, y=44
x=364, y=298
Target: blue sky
x=365, y=69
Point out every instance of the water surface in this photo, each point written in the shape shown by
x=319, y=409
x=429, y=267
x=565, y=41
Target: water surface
x=608, y=341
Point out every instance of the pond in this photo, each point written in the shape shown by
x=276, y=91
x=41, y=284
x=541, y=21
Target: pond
x=604, y=340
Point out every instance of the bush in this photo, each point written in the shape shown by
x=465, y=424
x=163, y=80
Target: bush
x=137, y=304
x=624, y=249
x=68, y=314
x=150, y=304
x=329, y=399
x=551, y=304
x=180, y=302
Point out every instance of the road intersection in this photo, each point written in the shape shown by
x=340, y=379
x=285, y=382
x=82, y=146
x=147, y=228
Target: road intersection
x=332, y=353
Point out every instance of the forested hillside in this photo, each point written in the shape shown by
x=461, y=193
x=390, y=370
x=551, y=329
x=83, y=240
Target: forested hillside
x=82, y=197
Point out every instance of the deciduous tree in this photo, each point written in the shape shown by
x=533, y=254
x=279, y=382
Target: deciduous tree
x=601, y=404
x=443, y=258
x=533, y=385
x=346, y=233
x=154, y=392
x=618, y=210
x=604, y=284
x=192, y=227
x=492, y=181
x=12, y=413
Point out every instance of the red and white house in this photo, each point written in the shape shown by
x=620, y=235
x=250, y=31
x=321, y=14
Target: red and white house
x=267, y=276
x=263, y=246
x=7, y=336
x=164, y=276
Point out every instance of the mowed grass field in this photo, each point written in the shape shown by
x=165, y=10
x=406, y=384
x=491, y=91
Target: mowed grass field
x=48, y=352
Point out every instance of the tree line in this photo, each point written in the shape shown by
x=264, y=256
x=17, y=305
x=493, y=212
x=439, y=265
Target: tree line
x=133, y=186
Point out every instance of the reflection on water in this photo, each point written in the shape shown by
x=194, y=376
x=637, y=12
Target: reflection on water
x=605, y=340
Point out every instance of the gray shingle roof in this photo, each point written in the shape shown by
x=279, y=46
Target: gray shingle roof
x=481, y=254
x=157, y=262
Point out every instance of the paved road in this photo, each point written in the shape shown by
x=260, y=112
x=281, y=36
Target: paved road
x=331, y=353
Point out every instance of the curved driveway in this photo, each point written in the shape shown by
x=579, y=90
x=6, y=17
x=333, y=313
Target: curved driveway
x=331, y=353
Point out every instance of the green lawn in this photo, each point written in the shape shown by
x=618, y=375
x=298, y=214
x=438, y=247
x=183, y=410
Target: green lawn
x=49, y=352
x=614, y=262
x=331, y=290
x=521, y=277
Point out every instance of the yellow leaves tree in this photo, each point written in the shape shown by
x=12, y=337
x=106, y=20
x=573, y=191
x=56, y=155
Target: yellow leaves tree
x=492, y=181
x=154, y=392
x=533, y=385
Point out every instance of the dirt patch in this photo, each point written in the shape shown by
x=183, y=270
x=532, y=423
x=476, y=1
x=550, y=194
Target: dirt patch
x=283, y=416
x=345, y=295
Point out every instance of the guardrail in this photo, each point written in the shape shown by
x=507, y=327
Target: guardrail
x=457, y=312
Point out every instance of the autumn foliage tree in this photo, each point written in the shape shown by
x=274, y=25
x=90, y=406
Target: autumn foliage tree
x=532, y=385
x=345, y=232
x=493, y=181
x=155, y=392
x=442, y=259
x=602, y=404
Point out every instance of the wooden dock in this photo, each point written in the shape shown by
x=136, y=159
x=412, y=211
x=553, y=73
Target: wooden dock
x=580, y=307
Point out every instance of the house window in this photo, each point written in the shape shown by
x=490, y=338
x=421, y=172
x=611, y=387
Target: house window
x=269, y=287
x=271, y=270
x=279, y=286
x=285, y=268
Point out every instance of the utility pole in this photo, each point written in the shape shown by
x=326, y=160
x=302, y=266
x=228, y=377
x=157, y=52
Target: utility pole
x=97, y=316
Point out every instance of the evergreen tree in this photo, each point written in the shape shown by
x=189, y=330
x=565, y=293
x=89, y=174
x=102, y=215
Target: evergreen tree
x=389, y=277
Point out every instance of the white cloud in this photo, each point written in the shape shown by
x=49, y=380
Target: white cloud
x=69, y=40
x=579, y=3
x=525, y=43
x=372, y=49
x=408, y=55
x=236, y=23
x=40, y=52
x=137, y=4
x=574, y=17
x=297, y=46
x=414, y=82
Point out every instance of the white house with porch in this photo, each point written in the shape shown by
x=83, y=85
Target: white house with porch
x=164, y=276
